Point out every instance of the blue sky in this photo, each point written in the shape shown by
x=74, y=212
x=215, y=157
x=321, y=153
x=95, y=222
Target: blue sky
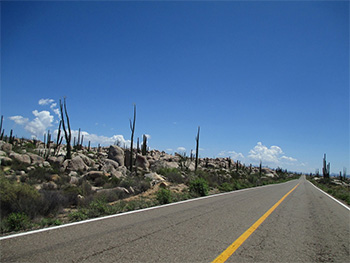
x=264, y=80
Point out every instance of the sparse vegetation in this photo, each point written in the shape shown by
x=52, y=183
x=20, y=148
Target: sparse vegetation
x=164, y=196
x=52, y=190
x=336, y=188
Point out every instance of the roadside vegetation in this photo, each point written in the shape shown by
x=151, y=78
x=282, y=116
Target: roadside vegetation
x=23, y=207
x=338, y=188
x=48, y=183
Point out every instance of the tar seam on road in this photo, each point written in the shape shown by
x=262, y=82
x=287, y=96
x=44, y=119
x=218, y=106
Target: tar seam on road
x=235, y=245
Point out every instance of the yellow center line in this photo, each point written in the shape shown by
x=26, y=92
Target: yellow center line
x=235, y=245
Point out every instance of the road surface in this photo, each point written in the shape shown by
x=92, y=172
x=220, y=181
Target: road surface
x=307, y=226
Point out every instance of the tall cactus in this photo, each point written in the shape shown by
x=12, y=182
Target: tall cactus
x=197, y=150
x=144, y=145
x=326, y=168
x=67, y=133
x=1, y=131
x=59, y=138
x=132, y=128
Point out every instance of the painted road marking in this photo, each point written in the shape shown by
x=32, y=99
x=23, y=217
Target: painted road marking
x=235, y=245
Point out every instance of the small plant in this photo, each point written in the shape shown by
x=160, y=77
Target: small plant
x=17, y=221
x=50, y=222
x=172, y=174
x=199, y=187
x=226, y=187
x=164, y=196
x=78, y=215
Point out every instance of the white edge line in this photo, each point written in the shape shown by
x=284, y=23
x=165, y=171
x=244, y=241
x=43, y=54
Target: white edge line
x=330, y=196
x=134, y=211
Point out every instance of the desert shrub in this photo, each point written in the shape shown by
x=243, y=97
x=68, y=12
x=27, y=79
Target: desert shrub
x=97, y=207
x=79, y=215
x=18, y=166
x=39, y=175
x=110, y=196
x=199, y=187
x=172, y=174
x=50, y=222
x=226, y=187
x=127, y=182
x=112, y=182
x=71, y=193
x=100, y=181
x=164, y=196
x=16, y=222
x=18, y=198
x=137, y=183
x=52, y=201
x=86, y=189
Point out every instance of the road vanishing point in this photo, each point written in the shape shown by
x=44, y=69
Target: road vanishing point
x=288, y=222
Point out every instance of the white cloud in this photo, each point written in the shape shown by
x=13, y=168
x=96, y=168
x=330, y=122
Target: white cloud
x=40, y=124
x=232, y=154
x=97, y=139
x=291, y=159
x=19, y=119
x=181, y=149
x=270, y=155
x=45, y=101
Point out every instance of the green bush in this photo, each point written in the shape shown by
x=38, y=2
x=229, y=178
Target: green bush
x=50, y=222
x=18, y=198
x=226, y=187
x=164, y=196
x=172, y=174
x=79, y=215
x=199, y=187
x=17, y=221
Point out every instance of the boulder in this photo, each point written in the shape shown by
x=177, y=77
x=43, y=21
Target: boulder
x=86, y=160
x=74, y=180
x=5, y=161
x=141, y=161
x=53, y=160
x=6, y=147
x=113, y=190
x=22, y=158
x=156, y=165
x=116, y=153
x=36, y=159
x=112, y=167
x=93, y=175
x=2, y=153
x=109, y=166
x=75, y=164
x=154, y=177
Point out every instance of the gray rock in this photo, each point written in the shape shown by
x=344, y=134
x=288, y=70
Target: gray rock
x=75, y=164
x=141, y=161
x=36, y=159
x=114, y=190
x=22, y=158
x=6, y=147
x=5, y=161
x=2, y=153
x=93, y=175
x=86, y=160
x=116, y=153
x=74, y=180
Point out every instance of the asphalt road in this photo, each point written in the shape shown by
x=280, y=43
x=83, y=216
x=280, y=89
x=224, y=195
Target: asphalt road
x=307, y=226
